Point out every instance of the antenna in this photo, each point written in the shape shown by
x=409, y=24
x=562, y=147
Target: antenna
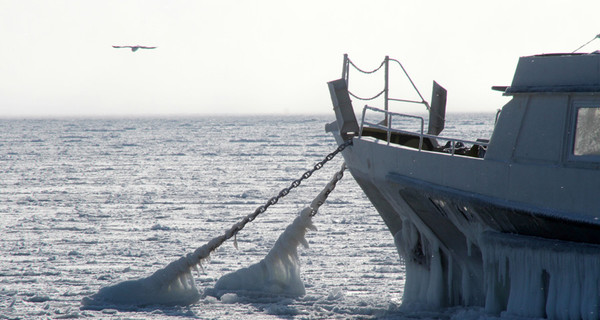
x=597, y=36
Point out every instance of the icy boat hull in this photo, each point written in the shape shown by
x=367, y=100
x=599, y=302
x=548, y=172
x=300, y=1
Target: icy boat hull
x=515, y=229
x=464, y=248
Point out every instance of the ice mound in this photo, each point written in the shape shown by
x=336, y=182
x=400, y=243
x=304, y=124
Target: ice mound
x=279, y=271
x=172, y=285
x=147, y=291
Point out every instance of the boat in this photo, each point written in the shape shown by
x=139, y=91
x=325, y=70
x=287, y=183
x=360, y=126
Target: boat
x=508, y=223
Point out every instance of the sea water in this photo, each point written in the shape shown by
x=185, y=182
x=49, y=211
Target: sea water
x=89, y=203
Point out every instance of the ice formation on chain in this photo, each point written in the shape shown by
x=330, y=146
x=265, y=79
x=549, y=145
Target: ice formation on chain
x=279, y=271
x=174, y=284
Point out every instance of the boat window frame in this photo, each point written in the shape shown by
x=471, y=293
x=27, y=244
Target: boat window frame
x=576, y=106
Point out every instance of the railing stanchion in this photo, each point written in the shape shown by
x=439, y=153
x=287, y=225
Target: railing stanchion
x=345, y=69
x=421, y=135
x=386, y=87
x=362, y=122
x=389, y=128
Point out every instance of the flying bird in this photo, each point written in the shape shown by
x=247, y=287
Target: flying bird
x=134, y=48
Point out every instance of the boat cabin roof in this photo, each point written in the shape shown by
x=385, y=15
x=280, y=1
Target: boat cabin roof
x=555, y=73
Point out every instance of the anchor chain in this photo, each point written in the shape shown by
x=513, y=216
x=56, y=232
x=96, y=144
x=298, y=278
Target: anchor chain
x=317, y=202
x=320, y=199
x=297, y=182
x=179, y=271
x=195, y=258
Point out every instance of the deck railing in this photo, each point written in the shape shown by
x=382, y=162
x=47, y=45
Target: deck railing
x=385, y=64
x=389, y=120
x=387, y=126
x=387, y=123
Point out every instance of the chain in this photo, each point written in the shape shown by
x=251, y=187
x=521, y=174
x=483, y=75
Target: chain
x=232, y=232
x=320, y=199
x=297, y=182
x=179, y=269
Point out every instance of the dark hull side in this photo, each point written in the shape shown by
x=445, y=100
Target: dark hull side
x=436, y=203
x=466, y=227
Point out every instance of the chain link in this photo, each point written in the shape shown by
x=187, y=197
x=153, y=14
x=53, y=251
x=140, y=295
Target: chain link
x=297, y=182
x=328, y=189
x=203, y=252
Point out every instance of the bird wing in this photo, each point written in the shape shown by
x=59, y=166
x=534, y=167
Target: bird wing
x=134, y=48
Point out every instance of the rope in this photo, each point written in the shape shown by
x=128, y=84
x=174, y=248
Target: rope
x=366, y=99
x=423, y=101
x=585, y=44
x=367, y=72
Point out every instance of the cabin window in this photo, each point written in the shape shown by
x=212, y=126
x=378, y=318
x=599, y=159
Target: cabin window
x=587, y=132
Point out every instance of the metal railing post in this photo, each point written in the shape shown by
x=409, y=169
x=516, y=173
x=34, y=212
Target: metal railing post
x=421, y=135
x=389, y=129
x=345, y=69
x=386, y=88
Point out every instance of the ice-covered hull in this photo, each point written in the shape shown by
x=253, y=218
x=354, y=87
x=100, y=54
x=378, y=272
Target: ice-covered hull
x=465, y=248
x=516, y=228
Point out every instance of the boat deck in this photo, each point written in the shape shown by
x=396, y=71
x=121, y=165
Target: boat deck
x=429, y=144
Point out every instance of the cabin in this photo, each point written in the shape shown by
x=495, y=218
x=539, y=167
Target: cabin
x=554, y=115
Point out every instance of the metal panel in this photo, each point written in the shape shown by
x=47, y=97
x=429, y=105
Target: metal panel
x=342, y=105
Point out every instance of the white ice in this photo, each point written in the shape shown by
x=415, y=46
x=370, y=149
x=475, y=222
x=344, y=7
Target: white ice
x=524, y=277
x=279, y=271
x=539, y=278
x=172, y=285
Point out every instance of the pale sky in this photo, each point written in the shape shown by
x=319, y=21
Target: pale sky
x=275, y=56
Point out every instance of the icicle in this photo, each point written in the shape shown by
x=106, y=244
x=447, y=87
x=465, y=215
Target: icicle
x=235, y=244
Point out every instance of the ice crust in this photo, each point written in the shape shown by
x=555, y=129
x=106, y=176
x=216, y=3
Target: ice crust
x=541, y=278
x=524, y=277
x=172, y=285
x=279, y=271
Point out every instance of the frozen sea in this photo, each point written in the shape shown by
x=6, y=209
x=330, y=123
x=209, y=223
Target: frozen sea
x=86, y=203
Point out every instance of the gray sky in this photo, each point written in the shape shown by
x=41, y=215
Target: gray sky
x=275, y=56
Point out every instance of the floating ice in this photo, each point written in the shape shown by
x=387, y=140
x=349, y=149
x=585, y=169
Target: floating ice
x=279, y=271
